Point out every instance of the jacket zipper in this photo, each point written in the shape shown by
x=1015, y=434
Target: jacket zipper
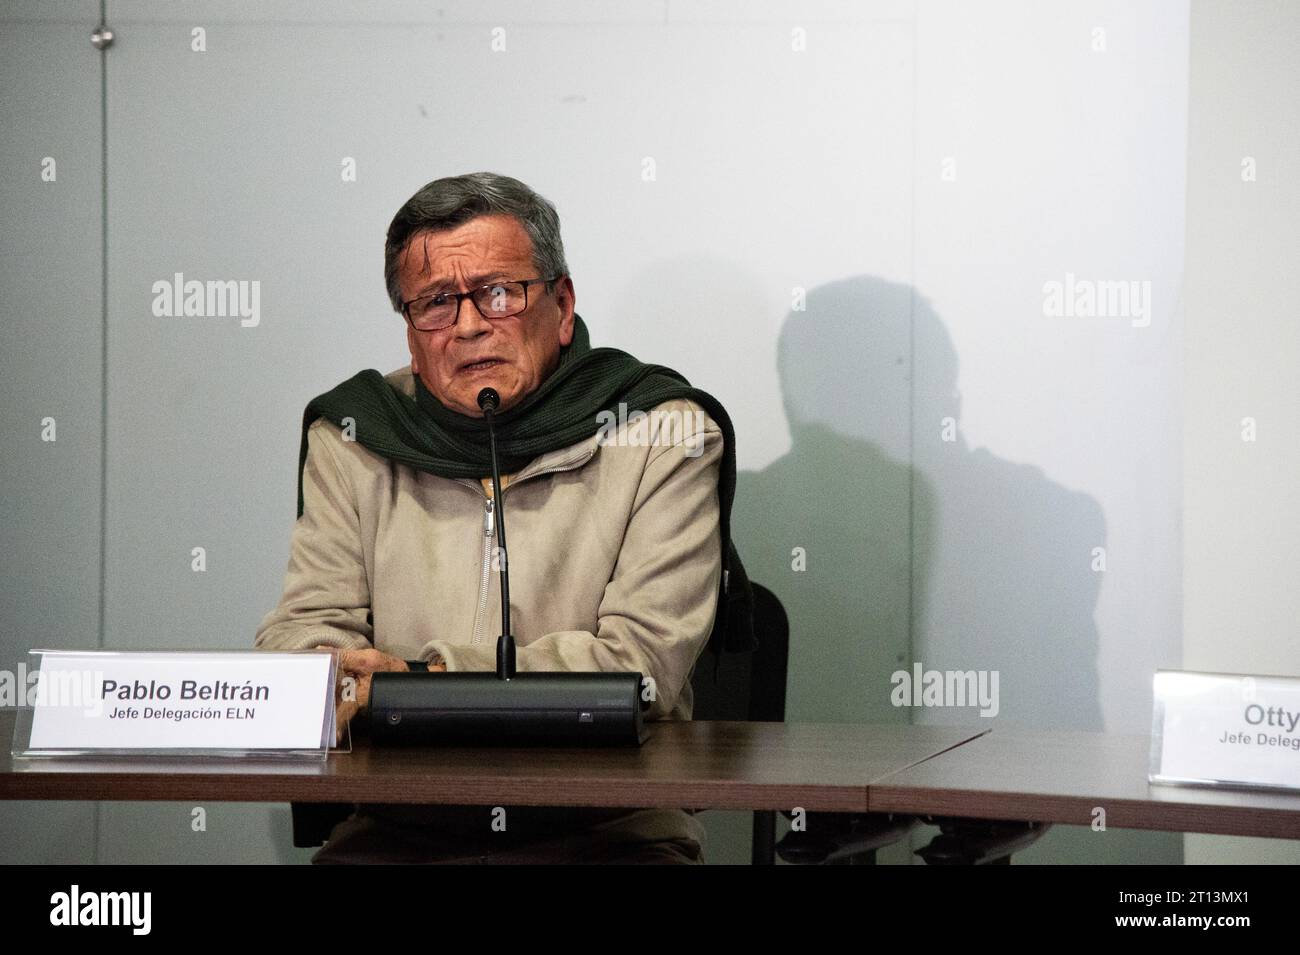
x=489, y=538
x=485, y=575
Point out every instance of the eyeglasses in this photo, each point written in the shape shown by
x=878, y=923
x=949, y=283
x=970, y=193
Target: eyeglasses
x=438, y=310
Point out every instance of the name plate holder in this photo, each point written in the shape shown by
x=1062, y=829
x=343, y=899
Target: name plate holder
x=1225, y=730
x=225, y=703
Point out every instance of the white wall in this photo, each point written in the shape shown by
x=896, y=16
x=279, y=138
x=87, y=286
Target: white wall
x=1241, y=550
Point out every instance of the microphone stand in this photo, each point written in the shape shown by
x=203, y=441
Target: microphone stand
x=489, y=401
x=549, y=708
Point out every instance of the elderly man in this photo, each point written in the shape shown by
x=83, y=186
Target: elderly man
x=619, y=476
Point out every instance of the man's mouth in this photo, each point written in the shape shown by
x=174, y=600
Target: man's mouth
x=482, y=364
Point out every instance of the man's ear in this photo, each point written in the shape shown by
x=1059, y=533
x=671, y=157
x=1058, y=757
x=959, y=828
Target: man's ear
x=566, y=299
x=410, y=343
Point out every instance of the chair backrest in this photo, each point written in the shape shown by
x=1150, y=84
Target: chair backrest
x=748, y=686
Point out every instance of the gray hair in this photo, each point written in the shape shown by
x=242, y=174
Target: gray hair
x=452, y=201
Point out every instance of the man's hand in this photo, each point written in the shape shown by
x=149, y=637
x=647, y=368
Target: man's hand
x=355, y=669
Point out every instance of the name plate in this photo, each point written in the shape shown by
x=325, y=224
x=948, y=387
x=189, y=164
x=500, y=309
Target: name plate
x=1224, y=729
x=234, y=703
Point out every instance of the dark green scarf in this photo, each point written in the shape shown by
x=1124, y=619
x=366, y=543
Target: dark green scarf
x=425, y=435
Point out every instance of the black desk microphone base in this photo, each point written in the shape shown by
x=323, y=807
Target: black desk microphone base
x=481, y=709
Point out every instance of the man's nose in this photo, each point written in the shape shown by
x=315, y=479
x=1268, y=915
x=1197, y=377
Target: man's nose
x=470, y=323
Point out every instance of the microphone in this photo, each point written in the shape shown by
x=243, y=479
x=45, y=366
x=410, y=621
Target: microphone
x=489, y=401
x=557, y=708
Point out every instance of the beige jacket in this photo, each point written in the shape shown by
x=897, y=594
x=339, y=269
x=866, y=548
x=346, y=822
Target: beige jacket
x=615, y=555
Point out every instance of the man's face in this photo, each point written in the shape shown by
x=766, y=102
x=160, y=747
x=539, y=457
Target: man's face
x=523, y=349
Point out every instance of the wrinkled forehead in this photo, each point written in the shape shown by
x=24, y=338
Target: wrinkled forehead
x=484, y=247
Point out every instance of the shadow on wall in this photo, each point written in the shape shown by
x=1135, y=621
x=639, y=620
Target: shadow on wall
x=915, y=548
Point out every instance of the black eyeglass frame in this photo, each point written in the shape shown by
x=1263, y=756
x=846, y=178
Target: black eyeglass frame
x=406, y=306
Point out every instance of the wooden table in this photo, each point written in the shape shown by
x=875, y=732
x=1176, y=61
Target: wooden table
x=1062, y=777
x=950, y=771
x=698, y=765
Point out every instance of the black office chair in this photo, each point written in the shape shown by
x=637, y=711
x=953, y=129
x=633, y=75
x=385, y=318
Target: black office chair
x=749, y=686
x=752, y=687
